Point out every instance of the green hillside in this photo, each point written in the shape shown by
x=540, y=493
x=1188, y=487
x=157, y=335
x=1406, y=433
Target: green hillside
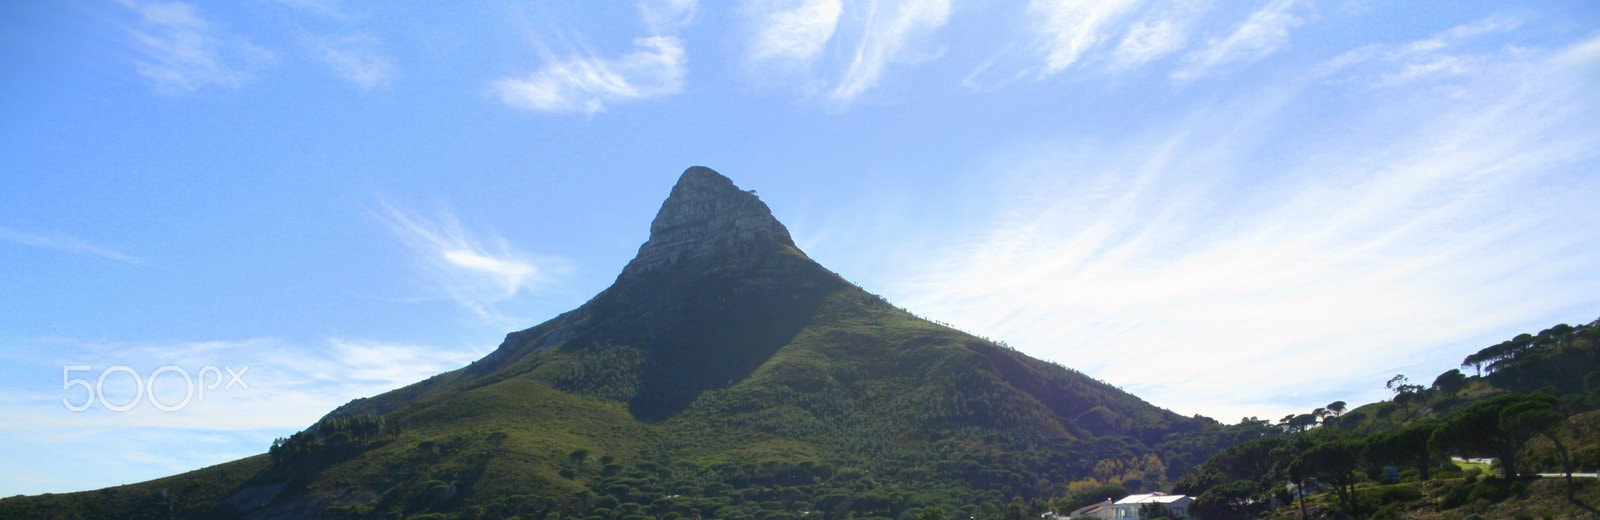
x=723, y=375
x=1531, y=404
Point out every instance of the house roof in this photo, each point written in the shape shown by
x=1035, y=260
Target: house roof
x=1090, y=509
x=1151, y=498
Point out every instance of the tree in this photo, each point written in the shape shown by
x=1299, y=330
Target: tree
x=1237, y=499
x=1297, y=423
x=1409, y=444
x=1404, y=391
x=1017, y=509
x=1298, y=474
x=1591, y=384
x=1538, y=417
x=1404, y=400
x=1450, y=382
x=1334, y=461
x=1397, y=383
x=1498, y=427
x=1337, y=408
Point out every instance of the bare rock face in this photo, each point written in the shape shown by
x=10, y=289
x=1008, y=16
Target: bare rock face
x=707, y=220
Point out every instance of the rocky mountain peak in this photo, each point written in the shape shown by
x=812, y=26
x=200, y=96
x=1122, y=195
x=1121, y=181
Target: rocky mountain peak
x=707, y=218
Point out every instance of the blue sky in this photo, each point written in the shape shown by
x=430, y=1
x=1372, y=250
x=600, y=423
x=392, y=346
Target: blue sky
x=1228, y=208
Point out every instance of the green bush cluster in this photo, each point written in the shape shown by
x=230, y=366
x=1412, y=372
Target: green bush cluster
x=331, y=437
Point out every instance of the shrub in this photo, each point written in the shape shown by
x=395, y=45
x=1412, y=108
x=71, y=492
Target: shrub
x=1456, y=497
x=1388, y=513
x=1394, y=494
x=1490, y=491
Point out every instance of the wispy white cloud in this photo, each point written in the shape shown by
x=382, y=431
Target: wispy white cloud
x=183, y=52
x=1235, y=242
x=581, y=81
x=585, y=83
x=834, y=50
x=286, y=386
x=1163, y=30
x=1148, y=40
x=356, y=58
x=1102, y=38
x=1071, y=28
x=1434, y=58
x=353, y=54
x=382, y=366
x=1265, y=32
x=890, y=28
x=667, y=16
x=791, y=35
x=283, y=383
x=65, y=244
x=477, y=272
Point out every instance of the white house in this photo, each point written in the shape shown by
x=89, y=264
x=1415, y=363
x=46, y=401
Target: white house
x=1128, y=508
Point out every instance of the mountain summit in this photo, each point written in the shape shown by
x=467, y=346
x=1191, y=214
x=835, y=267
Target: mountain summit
x=724, y=374
x=707, y=219
x=716, y=290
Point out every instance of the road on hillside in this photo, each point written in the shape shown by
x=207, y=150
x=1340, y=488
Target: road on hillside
x=1561, y=475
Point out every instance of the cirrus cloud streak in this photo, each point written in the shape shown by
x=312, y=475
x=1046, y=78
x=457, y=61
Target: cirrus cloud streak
x=1399, y=237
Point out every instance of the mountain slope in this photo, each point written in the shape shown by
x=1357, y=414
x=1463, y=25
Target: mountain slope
x=1533, y=406
x=724, y=373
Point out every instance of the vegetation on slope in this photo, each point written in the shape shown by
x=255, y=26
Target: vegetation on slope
x=854, y=408
x=723, y=375
x=1530, y=406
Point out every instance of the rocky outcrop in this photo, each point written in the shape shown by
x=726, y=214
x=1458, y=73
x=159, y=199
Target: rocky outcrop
x=707, y=220
x=714, y=249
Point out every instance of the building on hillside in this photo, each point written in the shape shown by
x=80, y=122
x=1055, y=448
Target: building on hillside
x=1128, y=508
x=1095, y=510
